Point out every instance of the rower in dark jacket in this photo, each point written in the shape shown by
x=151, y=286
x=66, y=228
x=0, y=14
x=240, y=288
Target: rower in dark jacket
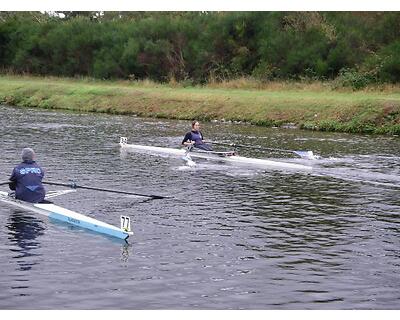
x=195, y=138
x=26, y=179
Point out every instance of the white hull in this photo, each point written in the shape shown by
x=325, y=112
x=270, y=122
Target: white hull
x=237, y=160
x=61, y=214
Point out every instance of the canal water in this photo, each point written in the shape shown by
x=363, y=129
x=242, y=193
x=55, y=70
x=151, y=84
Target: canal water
x=230, y=238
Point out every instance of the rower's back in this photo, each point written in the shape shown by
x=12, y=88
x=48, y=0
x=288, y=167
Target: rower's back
x=26, y=179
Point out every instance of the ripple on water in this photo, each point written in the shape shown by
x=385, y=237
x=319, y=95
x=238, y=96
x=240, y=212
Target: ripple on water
x=231, y=238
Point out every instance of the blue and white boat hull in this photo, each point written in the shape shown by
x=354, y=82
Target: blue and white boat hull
x=64, y=215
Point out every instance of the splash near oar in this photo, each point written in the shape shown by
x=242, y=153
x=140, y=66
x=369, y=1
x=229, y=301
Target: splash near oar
x=306, y=155
x=187, y=158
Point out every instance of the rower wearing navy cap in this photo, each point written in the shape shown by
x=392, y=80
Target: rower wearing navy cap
x=195, y=138
x=26, y=178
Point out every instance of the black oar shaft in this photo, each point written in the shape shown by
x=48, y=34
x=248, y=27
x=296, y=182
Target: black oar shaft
x=75, y=186
x=249, y=146
x=303, y=154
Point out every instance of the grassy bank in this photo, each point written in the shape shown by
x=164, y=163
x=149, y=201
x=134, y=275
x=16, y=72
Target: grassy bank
x=308, y=106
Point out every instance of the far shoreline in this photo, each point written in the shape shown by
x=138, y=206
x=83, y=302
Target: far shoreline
x=310, y=106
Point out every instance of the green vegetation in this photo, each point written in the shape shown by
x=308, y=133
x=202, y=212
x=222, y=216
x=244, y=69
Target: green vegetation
x=336, y=71
x=313, y=106
x=355, y=49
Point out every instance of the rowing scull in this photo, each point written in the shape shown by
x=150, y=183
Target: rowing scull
x=77, y=219
x=228, y=157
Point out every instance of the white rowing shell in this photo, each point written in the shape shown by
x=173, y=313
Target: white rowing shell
x=259, y=163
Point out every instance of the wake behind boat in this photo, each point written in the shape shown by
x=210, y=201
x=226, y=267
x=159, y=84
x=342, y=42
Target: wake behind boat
x=77, y=219
x=229, y=157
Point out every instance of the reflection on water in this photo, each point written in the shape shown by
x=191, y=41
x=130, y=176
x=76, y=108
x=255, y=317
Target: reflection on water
x=125, y=251
x=23, y=238
x=23, y=233
x=231, y=238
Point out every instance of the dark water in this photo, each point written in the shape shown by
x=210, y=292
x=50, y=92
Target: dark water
x=232, y=238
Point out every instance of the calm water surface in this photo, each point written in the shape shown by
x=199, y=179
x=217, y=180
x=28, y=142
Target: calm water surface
x=231, y=238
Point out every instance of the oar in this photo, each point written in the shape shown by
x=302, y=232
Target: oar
x=75, y=186
x=303, y=154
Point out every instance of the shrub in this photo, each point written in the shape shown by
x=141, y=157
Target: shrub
x=354, y=79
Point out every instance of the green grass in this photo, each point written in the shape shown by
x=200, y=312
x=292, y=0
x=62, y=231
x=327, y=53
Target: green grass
x=310, y=106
